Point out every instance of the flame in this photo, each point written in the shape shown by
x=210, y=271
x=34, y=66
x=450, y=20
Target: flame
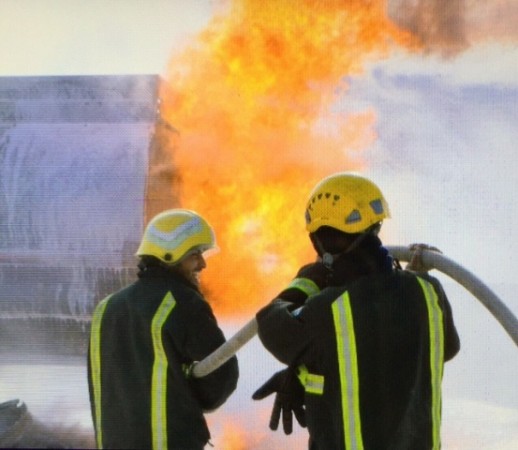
x=246, y=428
x=254, y=100
x=234, y=437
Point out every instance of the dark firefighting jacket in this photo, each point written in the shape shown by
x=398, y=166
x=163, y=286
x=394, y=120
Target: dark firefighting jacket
x=370, y=355
x=142, y=340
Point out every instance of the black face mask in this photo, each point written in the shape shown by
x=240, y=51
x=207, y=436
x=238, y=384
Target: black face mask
x=349, y=256
x=331, y=240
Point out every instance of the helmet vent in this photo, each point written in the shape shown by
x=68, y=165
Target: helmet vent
x=347, y=202
x=377, y=206
x=354, y=217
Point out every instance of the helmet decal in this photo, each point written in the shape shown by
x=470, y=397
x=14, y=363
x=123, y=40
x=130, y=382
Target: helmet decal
x=170, y=235
x=174, y=238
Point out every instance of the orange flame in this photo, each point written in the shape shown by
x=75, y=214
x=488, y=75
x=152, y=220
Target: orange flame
x=234, y=437
x=253, y=99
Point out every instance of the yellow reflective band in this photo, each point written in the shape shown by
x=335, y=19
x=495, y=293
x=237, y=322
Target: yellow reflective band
x=95, y=365
x=302, y=374
x=348, y=367
x=435, y=325
x=313, y=384
x=309, y=287
x=159, y=376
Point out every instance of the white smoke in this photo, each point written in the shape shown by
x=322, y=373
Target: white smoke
x=446, y=160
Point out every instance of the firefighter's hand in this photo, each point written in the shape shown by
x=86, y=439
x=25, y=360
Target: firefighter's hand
x=289, y=399
x=188, y=368
x=416, y=263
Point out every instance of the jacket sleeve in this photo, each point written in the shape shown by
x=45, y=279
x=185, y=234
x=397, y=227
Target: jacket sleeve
x=203, y=338
x=281, y=332
x=451, y=337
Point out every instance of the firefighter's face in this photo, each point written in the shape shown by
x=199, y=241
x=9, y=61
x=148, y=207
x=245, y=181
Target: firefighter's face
x=191, y=266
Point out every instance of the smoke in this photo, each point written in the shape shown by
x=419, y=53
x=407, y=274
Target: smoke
x=449, y=27
x=439, y=24
x=491, y=21
x=37, y=434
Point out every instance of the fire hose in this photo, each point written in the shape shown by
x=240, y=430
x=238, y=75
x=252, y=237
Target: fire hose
x=433, y=260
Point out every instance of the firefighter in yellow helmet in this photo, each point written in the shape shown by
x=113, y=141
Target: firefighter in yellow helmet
x=146, y=338
x=364, y=341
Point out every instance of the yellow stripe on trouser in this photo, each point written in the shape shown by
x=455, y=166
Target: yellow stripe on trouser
x=348, y=367
x=95, y=365
x=435, y=323
x=159, y=376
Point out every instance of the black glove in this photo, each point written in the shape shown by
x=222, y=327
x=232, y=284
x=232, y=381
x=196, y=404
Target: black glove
x=309, y=280
x=289, y=399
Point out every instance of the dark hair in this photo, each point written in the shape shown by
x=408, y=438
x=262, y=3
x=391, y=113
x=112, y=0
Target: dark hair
x=147, y=261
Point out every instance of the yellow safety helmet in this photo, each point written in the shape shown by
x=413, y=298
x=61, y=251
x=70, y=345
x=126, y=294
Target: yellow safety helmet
x=172, y=234
x=347, y=202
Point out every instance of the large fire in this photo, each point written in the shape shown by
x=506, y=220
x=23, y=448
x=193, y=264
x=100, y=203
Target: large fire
x=254, y=99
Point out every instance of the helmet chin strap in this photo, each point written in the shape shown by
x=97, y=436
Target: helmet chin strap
x=327, y=258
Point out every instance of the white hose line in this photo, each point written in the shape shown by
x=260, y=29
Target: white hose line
x=430, y=259
x=469, y=281
x=221, y=355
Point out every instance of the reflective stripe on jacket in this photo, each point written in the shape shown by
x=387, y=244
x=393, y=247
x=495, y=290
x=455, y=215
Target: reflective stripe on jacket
x=142, y=337
x=370, y=355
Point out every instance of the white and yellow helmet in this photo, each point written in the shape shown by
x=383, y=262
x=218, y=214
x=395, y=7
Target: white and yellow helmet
x=347, y=202
x=173, y=234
